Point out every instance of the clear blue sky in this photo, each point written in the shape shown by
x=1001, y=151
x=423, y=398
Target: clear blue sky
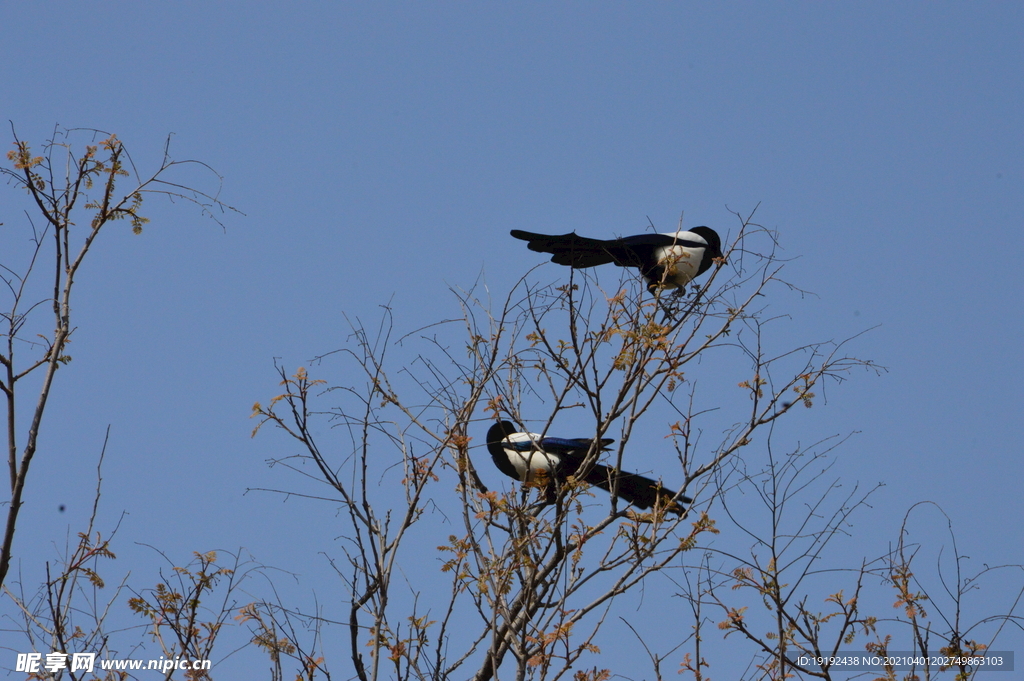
x=381, y=153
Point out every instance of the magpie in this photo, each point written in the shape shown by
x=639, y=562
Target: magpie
x=669, y=260
x=527, y=457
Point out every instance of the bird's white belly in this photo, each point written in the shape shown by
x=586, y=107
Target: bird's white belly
x=527, y=463
x=680, y=263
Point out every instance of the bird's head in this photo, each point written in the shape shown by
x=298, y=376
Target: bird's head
x=500, y=431
x=714, y=247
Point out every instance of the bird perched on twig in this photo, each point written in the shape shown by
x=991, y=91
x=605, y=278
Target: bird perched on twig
x=669, y=260
x=528, y=457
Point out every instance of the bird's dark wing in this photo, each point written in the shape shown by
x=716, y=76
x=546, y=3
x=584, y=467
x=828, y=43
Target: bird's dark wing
x=636, y=489
x=638, y=251
x=569, y=249
x=641, y=491
x=568, y=446
x=652, y=241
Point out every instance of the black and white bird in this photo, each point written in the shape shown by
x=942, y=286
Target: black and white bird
x=669, y=260
x=527, y=457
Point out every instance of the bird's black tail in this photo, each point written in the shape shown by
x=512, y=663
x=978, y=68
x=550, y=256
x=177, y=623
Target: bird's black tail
x=636, y=489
